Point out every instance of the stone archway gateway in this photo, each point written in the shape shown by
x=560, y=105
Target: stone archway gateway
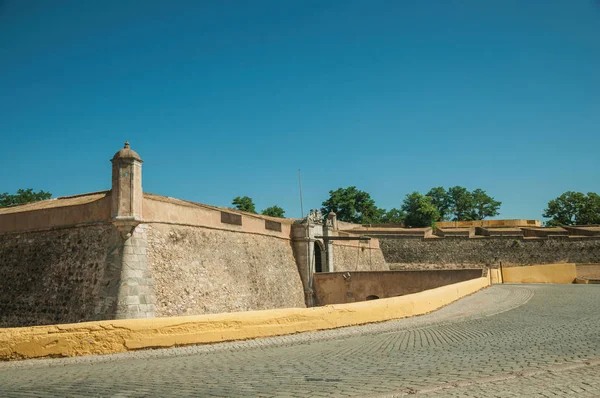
x=318, y=258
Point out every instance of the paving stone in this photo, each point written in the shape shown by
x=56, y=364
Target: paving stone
x=508, y=340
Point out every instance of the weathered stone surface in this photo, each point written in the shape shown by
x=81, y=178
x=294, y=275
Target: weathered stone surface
x=201, y=271
x=348, y=258
x=60, y=276
x=457, y=252
x=135, y=285
x=339, y=287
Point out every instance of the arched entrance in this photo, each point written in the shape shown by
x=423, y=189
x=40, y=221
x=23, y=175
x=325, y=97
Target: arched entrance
x=318, y=258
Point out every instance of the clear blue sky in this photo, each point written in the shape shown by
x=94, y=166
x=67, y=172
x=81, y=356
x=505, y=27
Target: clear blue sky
x=228, y=98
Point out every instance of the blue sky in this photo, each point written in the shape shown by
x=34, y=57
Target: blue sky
x=228, y=98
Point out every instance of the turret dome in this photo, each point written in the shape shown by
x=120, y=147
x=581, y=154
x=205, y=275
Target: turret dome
x=127, y=153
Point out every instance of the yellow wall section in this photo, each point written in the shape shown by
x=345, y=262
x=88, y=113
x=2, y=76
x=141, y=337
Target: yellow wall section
x=547, y=273
x=495, y=275
x=107, y=337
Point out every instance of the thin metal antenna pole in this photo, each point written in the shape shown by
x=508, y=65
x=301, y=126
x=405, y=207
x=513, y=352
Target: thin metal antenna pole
x=308, y=242
x=301, y=205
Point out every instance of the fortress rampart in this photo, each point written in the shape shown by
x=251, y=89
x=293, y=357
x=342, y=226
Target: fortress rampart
x=124, y=253
x=487, y=243
x=464, y=252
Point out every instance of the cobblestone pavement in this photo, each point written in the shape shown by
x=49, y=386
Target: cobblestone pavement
x=508, y=340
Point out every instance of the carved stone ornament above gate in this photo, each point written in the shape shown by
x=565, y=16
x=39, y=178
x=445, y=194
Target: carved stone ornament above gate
x=315, y=217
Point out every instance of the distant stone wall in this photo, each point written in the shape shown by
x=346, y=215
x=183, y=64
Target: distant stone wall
x=358, y=258
x=462, y=252
x=200, y=270
x=59, y=276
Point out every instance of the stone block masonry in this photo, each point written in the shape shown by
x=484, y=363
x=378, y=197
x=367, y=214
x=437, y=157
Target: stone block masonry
x=203, y=271
x=462, y=252
x=135, y=297
x=350, y=287
x=123, y=254
x=358, y=257
x=86, y=273
x=59, y=276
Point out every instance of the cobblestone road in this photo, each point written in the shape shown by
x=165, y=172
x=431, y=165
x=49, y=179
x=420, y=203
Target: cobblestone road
x=509, y=340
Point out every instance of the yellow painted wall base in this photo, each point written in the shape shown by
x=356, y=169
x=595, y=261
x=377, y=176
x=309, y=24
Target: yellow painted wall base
x=547, y=273
x=108, y=337
x=495, y=275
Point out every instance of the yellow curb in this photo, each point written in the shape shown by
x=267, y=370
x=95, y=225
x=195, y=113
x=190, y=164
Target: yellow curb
x=109, y=337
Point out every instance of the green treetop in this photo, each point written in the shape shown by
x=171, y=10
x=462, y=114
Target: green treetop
x=352, y=205
x=23, y=196
x=573, y=208
x=420, y=211
x=273, y=211
x=244, y=203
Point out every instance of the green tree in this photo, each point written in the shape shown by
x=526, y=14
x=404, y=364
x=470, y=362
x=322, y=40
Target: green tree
x=441, y=200
x=244, y=203
x=352, y=205
x=460, y=203
x=420, y=211
x=273, y=211
x=463, y=205
x=573, y=208
x=483, y=205
x=393, y=216
x=23, y=196
x=590, y=214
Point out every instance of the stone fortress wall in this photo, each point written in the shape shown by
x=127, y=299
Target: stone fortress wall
x=124, y=253
x=487, y=243
x=59, y=261
x=457, y=252
x=350, y=287
x=205, y=260
x=58, y=276
x=358, y=257
x=62, y=272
